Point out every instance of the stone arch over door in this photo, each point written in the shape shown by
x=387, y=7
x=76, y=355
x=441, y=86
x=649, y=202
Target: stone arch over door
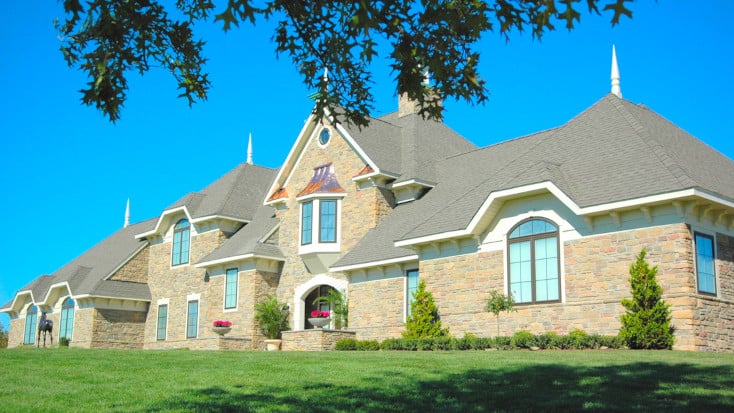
x=303, y=290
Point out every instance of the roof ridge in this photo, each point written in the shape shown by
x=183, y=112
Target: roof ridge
x=648, y=140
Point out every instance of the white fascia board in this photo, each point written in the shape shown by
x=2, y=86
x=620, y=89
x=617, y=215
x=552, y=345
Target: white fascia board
x=412, y=182
x=269, y=233
x=213, y=217
x=374, y=264
x=165, y=213
x=566, y=200
x=297, y=145
x=235, y=258
x=52, y=287
x=362, y=154
x=15, y=300
x=322, y=195
x=378, y=173
x=93, y=296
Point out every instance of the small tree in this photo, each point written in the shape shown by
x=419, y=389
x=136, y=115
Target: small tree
x=498, y=303
x=3, y=337
x=646, y=324
x=272, y=317
x=423, y=321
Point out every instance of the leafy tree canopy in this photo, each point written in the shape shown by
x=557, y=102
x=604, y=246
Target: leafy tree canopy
x=107, y=39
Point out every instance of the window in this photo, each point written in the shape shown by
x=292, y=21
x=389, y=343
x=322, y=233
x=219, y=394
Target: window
x=162, y=322
x=327, y=220
x=29, y=335
x=230, y=289
x=181, y=235
x=705, y=263
x=534, y=266
x=306, y=222
x=192, y=320
x=411, y=287
x=67, y=319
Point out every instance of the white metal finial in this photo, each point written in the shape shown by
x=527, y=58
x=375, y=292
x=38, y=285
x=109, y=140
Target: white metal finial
x=127, y=214
x=249, y=149
x=326, y=75
x=616, y=89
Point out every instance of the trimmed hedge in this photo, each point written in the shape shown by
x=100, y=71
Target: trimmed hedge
x=576, y=340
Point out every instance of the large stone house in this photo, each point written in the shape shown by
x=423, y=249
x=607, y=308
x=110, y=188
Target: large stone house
x=554, y=218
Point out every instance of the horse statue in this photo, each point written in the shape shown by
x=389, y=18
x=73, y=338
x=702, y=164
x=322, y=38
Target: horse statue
x=47, y=326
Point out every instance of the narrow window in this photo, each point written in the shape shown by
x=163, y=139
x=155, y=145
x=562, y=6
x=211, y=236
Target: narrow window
x=162, y=322
x=230, y=289
x=705, y=263
x=534, y=265
x=67, y=319
x=306, y=222
x=327, y=220
x=192, y=320
x=181, y=237
x=411, y=287
x=29, y=334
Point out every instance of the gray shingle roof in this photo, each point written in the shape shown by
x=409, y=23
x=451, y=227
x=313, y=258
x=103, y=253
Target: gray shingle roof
x=86, y=274
x=236, y=195
x=613, y=151
x=247, y=239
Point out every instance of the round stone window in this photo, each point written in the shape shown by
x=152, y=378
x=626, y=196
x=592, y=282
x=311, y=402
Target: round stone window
x=324, y=136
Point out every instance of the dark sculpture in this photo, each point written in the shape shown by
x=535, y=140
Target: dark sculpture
x=47, y=326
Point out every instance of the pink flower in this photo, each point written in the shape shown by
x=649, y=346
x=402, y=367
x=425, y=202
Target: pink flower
x=319, y=314
x=222, y=323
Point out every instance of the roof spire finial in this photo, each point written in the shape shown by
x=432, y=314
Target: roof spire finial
x=249, y=149
x=127, y=214
x=616, y=89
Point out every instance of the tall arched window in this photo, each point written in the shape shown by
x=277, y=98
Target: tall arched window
x=534, y=266
x=67, y=319
x=31, y=317
x=181, y=236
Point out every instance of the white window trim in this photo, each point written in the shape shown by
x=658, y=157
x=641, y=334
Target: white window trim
x=316, y=246
x=560, y=223
x=237, y=292
x=166, y=302
x=712, y=234
x=190, y=298
x=168, y=238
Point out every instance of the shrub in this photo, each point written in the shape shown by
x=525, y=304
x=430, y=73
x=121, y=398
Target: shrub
x=423, y=321
x=272, y=317
x=498, y=303
x=578, y=339
x=523, y=339
x=346, y=344
x=646, y=324
x=368, y=345
x=3, y=337
x=64, y=342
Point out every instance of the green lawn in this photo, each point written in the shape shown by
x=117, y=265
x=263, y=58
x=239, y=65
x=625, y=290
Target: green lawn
x=471, y=381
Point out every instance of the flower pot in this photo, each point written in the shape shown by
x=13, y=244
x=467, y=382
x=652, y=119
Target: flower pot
x=221, y=330
x=273, y=344
x=319, y=322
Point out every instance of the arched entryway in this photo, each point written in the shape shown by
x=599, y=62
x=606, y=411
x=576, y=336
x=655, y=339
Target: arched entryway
x=312, y=303
x=306, y=293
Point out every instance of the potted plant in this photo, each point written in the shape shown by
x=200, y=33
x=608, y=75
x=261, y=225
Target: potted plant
x=272, y=317
x=222, y=327
x=339, y=307
x=319, y=318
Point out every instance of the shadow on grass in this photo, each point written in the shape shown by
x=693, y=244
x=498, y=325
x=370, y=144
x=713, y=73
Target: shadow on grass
x=553, y=387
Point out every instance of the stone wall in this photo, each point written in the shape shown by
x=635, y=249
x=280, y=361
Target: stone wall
x=118, y=329
x=135, y=270
x=313, y=340
x=376, y=308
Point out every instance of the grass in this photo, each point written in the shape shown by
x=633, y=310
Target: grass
x=69, y=379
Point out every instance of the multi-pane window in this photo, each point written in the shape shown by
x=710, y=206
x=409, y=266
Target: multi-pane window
x=411, y=287
x=162, y=322
x=192, y=319
x=306, y=222
x=705, y=259
x=534, y=266
x=67, y=319
x=181, y=239
x=327, y=220
x=230, y=288
x=29, y=334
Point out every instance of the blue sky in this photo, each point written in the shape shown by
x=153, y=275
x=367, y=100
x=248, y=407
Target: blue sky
x=66, y=172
